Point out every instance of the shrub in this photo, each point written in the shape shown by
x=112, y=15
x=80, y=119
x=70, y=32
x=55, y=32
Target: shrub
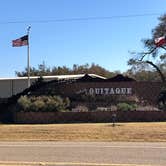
x=24, y=103
x=42, y=103
x=126, y=107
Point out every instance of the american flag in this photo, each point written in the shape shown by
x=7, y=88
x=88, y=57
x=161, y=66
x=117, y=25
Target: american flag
x=23, y=41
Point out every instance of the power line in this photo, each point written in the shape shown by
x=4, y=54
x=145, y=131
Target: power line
x=80, y=19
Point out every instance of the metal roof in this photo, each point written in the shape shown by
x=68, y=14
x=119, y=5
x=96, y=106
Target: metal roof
x=58, y=77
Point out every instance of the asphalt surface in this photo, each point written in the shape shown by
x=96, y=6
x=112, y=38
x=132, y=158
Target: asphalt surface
x=92, y=153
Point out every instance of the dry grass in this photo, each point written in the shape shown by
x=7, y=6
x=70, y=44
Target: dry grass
x=85, y=132
x=62, y=164
x=68, y=165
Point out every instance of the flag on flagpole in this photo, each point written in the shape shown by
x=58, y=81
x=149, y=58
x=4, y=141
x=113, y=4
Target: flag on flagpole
x=160, y=41
x=22, y=41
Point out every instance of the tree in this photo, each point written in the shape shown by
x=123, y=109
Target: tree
x=154, y=55
x=43, y=70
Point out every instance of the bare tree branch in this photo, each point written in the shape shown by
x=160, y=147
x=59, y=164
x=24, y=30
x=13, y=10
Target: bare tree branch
x=158, y=70
x=163, y=47
x=146, y=53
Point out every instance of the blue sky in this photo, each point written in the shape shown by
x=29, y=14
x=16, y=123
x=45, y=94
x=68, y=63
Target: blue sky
x=106, y=42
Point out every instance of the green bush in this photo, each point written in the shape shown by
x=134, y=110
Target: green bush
x=126, y=107
x=42, y=103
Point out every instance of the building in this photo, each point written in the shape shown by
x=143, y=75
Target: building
x=12, y=86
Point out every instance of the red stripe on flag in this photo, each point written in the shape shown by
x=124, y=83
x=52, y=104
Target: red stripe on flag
x=23, y=41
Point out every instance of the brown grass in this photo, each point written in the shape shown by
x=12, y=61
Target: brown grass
x=43, y=164
x=85, y=132
x=62, y=164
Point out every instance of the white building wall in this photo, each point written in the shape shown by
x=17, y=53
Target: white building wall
x=9, y=87
x=20, y=85
x=5, y=88
x=12, y=86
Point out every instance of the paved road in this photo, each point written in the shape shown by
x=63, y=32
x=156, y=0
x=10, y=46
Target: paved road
x=85, y=152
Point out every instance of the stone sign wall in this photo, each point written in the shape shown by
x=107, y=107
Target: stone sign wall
x=145, y=92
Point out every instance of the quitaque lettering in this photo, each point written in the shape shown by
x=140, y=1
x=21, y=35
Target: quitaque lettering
x=109, y=91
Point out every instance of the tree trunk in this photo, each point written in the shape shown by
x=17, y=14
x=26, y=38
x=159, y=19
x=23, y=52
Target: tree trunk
x=158, y=70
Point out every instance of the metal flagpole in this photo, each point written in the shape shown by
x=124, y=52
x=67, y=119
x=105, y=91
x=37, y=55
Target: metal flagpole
x=28, y=58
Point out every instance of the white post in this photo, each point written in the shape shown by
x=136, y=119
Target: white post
x=28, y=58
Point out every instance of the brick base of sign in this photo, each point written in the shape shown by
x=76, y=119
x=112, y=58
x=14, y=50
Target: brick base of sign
x=83, y=117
